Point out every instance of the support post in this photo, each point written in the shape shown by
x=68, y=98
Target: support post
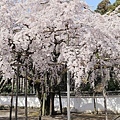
x=26, y=94
x=12, y=99
x=16, y=105
x=94, y=101
x=43, y=105
x=68, y=95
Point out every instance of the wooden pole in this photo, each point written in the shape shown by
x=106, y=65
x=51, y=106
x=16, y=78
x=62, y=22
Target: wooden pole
x=68, y=95
x=94, y=100
x=26, y=94
x=19, y=85
x=44, y=95
x=51, y=92
x=43, y=105
x=16, y=105
x=11, y=99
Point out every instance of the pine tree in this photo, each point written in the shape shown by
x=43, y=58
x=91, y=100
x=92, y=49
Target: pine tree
x=103, y=6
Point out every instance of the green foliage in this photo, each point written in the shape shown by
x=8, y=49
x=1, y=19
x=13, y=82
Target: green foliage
x=105, y=6
x=7, y=88
x=113, y=85
x=102, y=7
x=111, y=8
x=97, y=55
x=117, y=3
x=85, y=87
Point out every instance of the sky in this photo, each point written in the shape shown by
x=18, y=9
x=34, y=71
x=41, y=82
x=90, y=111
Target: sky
x=94, y=3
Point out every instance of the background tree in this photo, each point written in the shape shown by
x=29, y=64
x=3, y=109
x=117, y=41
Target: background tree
x=103, y=6
x=115, y=7
x=117, y=3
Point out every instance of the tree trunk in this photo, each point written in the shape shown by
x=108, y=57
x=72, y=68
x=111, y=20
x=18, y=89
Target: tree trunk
x=16, y=105
x=103, y=76
x=46, y=98
x=51, y=103
x=40, y=110
x=46, y=105
x=60, y=102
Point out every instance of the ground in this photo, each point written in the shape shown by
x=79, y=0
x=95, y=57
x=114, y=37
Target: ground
x=33, y=115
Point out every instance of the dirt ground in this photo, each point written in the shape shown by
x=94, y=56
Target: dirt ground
x=33, y=115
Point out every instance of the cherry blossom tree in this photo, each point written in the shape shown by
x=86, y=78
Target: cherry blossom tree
x=59, y=31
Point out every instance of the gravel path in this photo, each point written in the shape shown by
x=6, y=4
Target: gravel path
x=4, y=115
x=64, y=117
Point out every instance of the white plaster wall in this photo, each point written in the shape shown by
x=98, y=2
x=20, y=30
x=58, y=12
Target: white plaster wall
x=32, y=101
x=81, y=104
x=77, y=104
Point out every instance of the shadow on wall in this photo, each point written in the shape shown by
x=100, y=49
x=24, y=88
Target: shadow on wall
x=114, y=104
x=4, y=100
x=89, y=108
x=77, y=104
x=87, y=105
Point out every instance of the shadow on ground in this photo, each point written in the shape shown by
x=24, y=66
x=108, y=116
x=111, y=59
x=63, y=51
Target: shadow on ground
x=33, y=115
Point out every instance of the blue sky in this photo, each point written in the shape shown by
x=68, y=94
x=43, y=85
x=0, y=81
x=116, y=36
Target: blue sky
x=94, y=3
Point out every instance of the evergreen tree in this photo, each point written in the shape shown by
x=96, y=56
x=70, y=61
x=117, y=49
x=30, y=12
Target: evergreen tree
x=117, y=3
x=103, y=6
